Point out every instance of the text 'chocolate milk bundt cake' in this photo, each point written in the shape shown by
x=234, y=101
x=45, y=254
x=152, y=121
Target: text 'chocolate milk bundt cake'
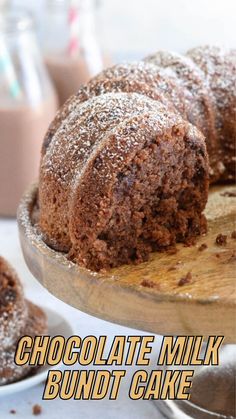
x=18, y=317
x=124, y=168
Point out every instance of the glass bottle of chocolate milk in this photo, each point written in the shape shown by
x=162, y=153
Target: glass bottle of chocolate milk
x=27, y=105
x=71, y=50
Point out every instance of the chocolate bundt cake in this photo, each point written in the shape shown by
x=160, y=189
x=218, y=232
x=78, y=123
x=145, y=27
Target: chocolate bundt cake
x=18, y=317
x=124, y=168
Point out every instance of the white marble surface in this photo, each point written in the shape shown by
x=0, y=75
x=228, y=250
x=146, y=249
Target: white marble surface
x=83, y=325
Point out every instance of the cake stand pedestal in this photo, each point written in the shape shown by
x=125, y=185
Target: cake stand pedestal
x=149, y=296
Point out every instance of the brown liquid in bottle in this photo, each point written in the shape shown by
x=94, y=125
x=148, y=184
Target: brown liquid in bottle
x=21, y=135
x=68, y=74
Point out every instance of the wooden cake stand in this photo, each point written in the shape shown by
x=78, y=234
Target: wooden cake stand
x=191, y=292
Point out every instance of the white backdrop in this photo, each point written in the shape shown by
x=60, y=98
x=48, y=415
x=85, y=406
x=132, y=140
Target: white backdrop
x=141, y=26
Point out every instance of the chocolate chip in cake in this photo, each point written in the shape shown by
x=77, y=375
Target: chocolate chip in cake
x=233, y=234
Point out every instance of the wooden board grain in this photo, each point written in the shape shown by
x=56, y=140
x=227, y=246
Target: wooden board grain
x=150, y=296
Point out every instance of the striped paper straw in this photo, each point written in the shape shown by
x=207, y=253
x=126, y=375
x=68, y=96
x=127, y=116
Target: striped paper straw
x=88, y=40
x=73, y=16
x=7, y=69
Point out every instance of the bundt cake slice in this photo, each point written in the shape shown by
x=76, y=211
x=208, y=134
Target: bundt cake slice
x=69, y=150
x=122, y=177
x=18, y=317
x=36, y=325
x=13, y=309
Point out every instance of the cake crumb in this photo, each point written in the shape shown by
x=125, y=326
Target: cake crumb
x=221, y=239
x=12, y=411
x=185, y=279
x=149, y=284
x=229, y=194
x=37, y=410
x=202, y=247
x=233, y=234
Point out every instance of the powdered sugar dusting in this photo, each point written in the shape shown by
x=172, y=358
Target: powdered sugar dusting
x=86, y=125
x=194, y=86
x=219, y=69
